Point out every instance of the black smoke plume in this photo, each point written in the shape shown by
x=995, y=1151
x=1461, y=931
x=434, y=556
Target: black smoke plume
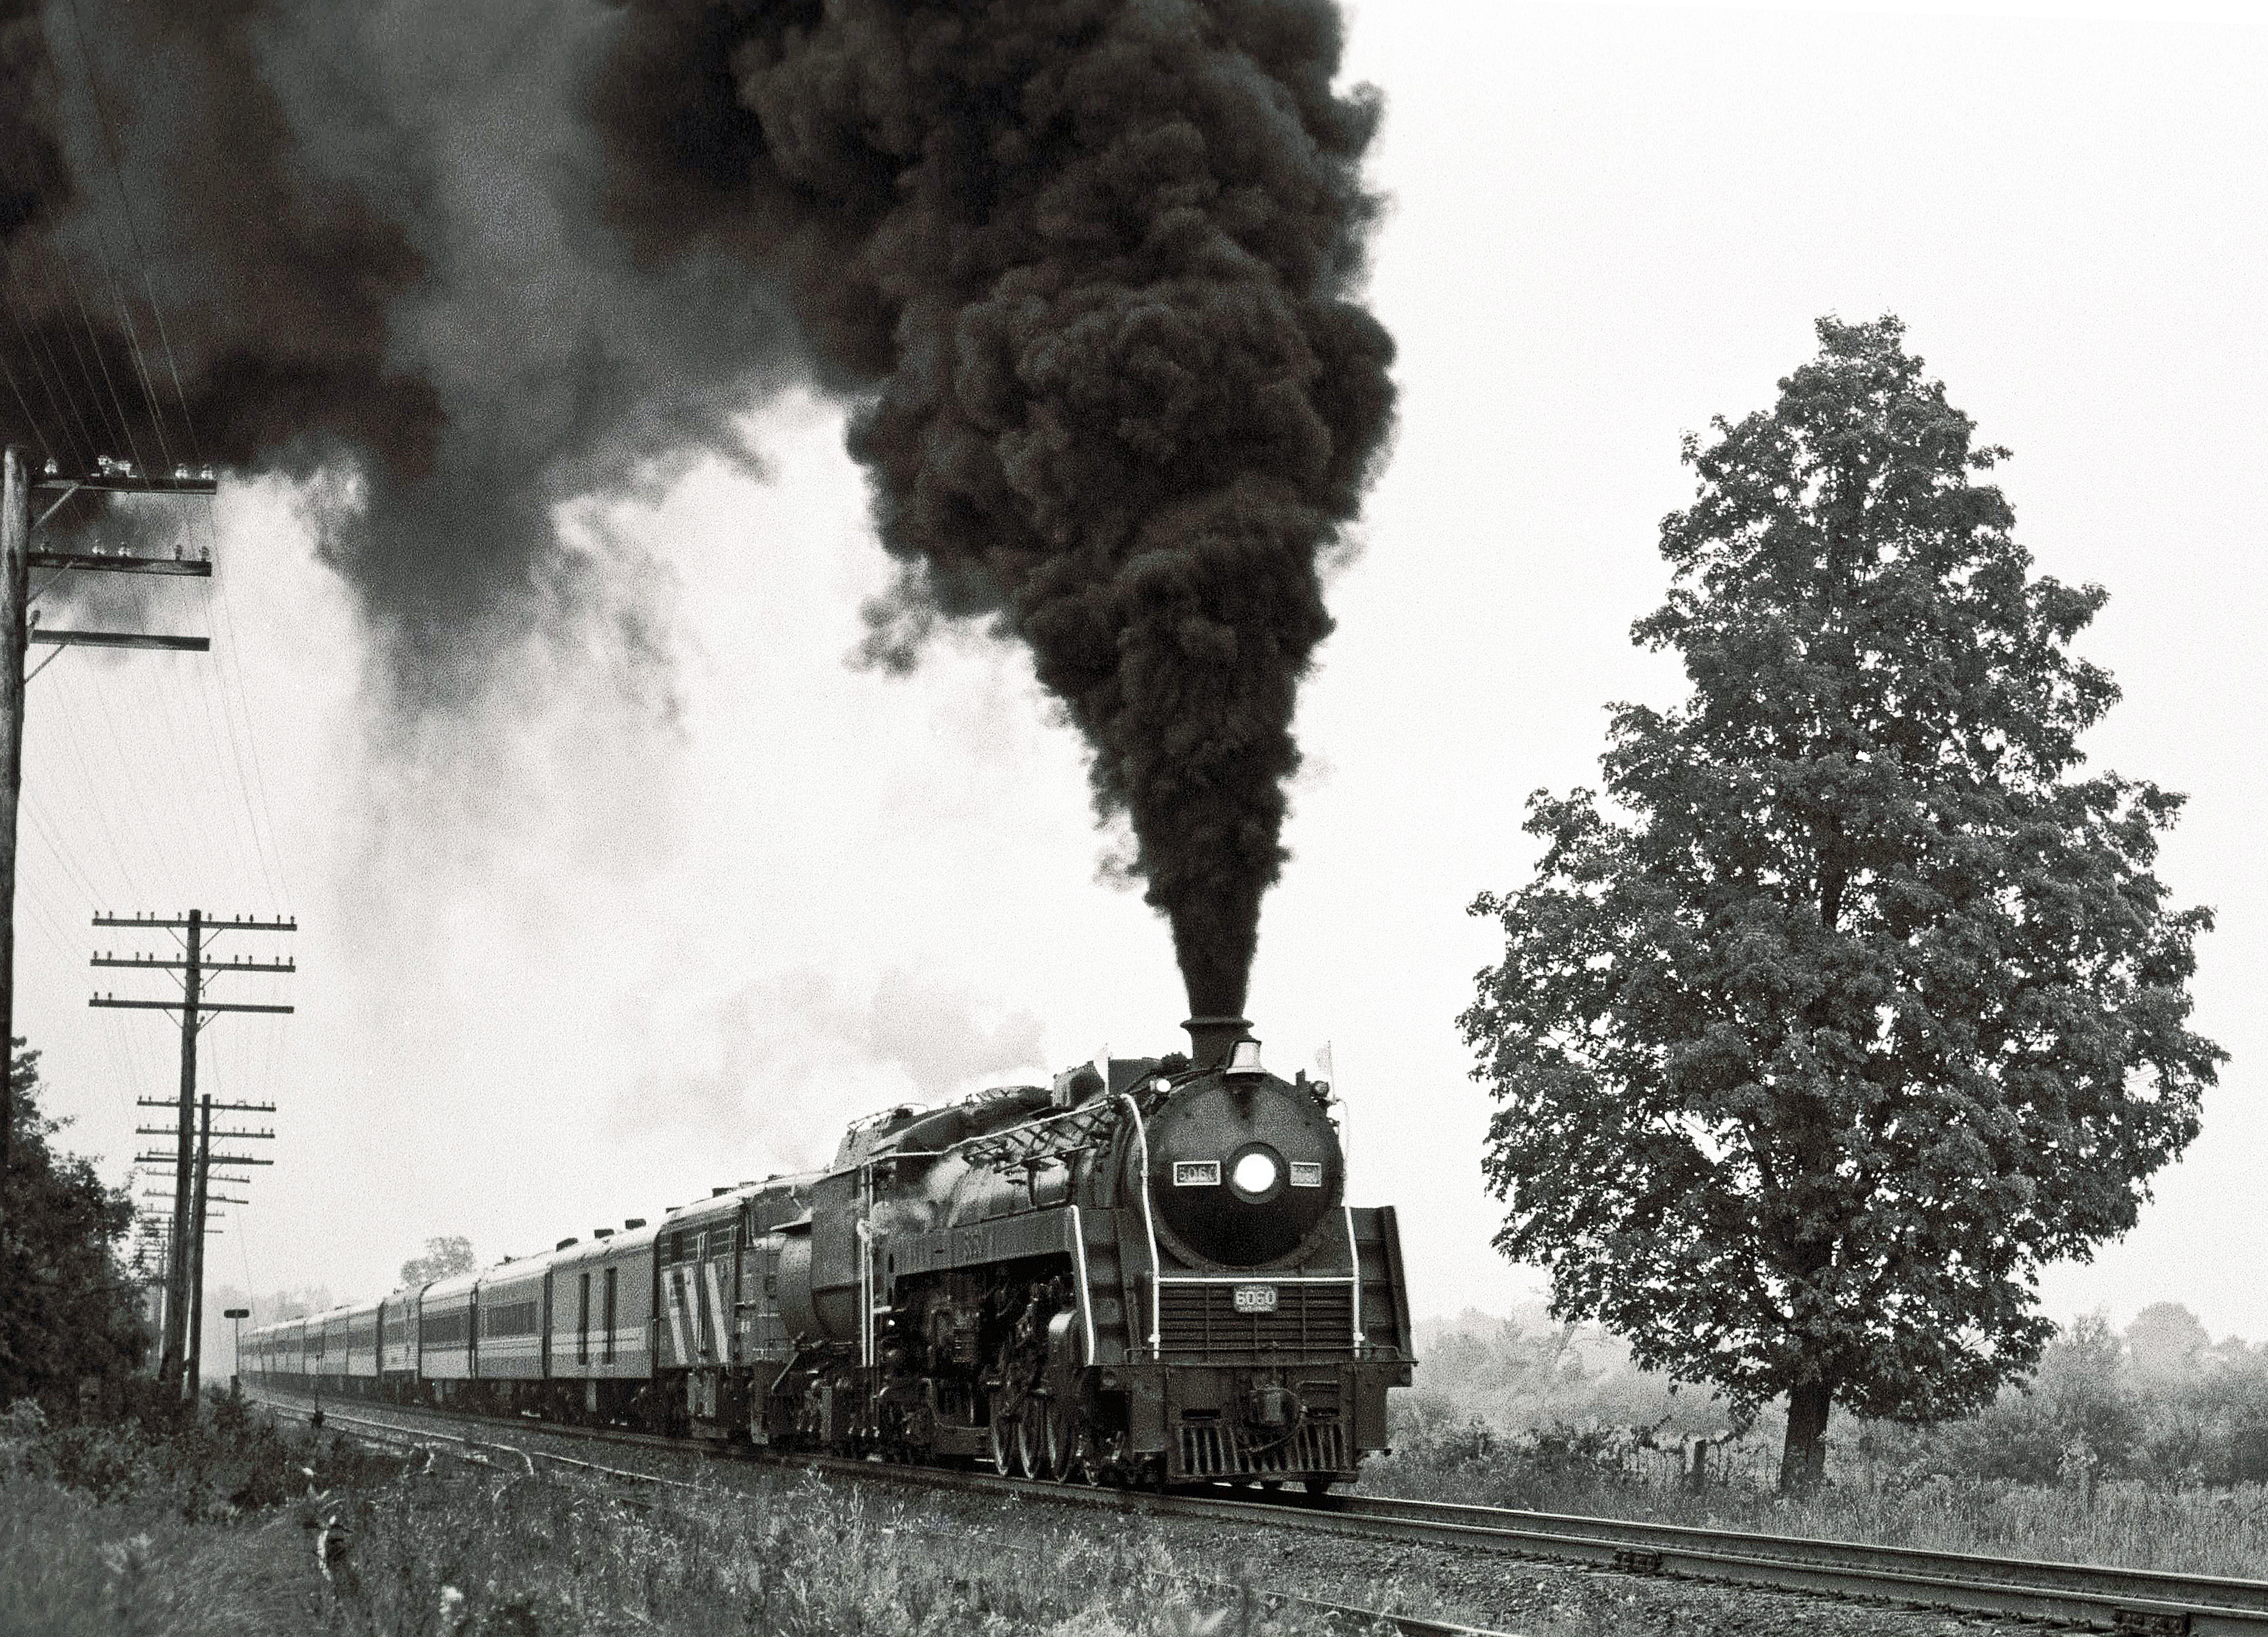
x=1086, y=269
x=1097, y=258
x=298, y=237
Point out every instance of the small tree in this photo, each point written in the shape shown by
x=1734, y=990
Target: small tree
x=2166, y=1345
x=1864, y=1006
x=69, y=1313
x=445, y=1256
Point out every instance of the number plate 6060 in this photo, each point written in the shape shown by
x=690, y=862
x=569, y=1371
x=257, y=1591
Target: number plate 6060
x=1256, y=1298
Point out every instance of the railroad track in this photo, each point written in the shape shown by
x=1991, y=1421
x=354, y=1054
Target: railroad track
x=396, y=1432
x=2116, y=1599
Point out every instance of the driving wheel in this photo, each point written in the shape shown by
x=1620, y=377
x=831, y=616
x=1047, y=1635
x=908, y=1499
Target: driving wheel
x=1003, y=1437
x=1032, y=1438
x=1067, y=1452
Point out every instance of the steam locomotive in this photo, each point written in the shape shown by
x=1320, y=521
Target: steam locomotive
x=1145, y=1272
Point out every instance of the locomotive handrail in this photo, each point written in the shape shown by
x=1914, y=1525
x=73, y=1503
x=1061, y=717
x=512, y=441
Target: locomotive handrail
x=1257, y=1277
x=868, y=1252
x=1085, y=1300
x=1354, y=1257
x=1149, y=1224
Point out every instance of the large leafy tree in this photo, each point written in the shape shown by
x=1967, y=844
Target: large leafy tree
x=69, y=1309
x=1858, y=1000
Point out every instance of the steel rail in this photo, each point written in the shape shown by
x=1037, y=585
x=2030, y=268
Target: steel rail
x=394, y=1432
x=2120, y=1599
x=2135, y=1590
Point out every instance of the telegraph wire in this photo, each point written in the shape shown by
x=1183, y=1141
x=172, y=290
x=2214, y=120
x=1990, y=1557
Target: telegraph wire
x=173, y=736
x=47, y=919
x=278, y=882
x=145, y=810
x=94, y=344
x=239, y=814
x=133, y=229
x=157, y=830
x=68, y=730
x=80, y=877
x=24, y=303
x=71, y=865
x=252, y=786
x=21, y=305
x=132, y=334
x=30, y=419
x=72, y=737
x=62, y=316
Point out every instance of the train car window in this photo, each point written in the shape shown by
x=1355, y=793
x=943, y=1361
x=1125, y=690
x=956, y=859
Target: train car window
x=444, y=1330
x=510, y=1318
x=583, y=1321
x=606, y=1346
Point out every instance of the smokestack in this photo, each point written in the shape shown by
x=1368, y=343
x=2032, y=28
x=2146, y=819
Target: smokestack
x=1211, y=1039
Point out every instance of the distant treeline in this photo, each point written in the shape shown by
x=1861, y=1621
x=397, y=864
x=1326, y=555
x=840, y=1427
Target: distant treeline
x=2158, y=1400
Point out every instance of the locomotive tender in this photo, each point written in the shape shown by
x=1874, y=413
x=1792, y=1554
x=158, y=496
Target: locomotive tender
x=1147, y=1276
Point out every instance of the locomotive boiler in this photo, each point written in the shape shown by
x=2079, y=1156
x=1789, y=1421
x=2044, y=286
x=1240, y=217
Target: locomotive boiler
x=1146, y=1272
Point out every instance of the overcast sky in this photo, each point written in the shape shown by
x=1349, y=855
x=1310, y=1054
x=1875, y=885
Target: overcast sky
x=642, y=931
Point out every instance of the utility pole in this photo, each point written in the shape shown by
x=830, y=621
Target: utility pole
x=203, y=1198
x=19, y=557
x=197, y=1249
x=186, y=1261
x=15, y=585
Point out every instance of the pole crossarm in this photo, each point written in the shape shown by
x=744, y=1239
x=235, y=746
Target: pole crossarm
x=219, y=1159
x=124, y=562
x=121, y=639
x=218, y=1108
x=211, y=968
x=119, y=482
x=175, y=1006
x=279, y=924
x=167, y=1130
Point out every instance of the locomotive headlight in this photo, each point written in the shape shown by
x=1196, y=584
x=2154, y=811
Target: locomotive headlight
x=1254, y=1173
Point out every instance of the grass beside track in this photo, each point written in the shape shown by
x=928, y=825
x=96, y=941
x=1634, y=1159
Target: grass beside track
x=113, y=1531
x=2129, y=1524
